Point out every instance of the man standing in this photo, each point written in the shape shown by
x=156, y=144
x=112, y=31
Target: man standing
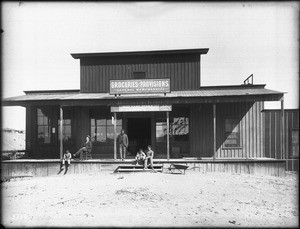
x=123, y=144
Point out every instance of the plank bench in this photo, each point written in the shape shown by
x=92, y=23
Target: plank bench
x=180, y=168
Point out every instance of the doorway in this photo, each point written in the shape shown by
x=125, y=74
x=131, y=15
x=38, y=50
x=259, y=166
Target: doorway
x=139, y=134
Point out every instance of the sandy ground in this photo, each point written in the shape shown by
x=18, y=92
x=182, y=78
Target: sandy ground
x=152, y=199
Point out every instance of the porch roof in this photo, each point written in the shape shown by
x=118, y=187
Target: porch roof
x=139, y=53
x=214, y=94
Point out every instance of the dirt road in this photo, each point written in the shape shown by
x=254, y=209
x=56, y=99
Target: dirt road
x=152, y=199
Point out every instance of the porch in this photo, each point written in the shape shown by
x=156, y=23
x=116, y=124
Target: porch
x=50, y=167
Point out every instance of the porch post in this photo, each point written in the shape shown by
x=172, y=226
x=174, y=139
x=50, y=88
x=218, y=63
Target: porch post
x=214, y=130
x=115, y=135
x=168, y=137
x=61, y=117
x=282, y=129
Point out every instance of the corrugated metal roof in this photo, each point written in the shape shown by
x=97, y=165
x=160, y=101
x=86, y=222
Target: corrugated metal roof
x=206, y=93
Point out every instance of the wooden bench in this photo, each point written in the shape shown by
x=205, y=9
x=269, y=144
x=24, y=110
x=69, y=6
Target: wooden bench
x=179, y=167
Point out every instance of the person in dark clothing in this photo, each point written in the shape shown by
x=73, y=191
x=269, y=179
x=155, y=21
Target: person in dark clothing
x=66, y=161
x=140, y=157
x=87, y=147
x=123, y=144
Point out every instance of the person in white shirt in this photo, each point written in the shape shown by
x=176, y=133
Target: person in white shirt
x=66, y=161
x=149, y=156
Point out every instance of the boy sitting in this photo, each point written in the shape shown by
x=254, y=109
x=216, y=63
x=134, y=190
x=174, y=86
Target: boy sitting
x=140, y=157
x=149, y=156
x=66, y=161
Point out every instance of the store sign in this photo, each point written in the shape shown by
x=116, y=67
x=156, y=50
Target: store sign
x=141, y=108
x=139, y=86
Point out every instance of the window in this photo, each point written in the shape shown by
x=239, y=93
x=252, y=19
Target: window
x=232, y=132
x=161, y=130
x=295, y=143
x=67, y=127
x=102, y=129
x=43, y=126
x=139, y=75
x=66, y=131
x=179, y=129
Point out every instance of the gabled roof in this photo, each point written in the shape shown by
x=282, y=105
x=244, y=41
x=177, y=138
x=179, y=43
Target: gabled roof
x=203, y=95
x=139, y=53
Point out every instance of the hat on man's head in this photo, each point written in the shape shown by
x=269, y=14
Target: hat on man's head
x=89, y=136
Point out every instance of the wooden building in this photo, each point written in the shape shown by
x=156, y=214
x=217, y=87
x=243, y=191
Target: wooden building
x=272, y=136
x=157, y=97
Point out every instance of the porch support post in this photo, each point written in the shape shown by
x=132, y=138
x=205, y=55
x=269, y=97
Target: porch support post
x=214, y=130
x=115, y=135
x=61, y=117
x=168, y=136
x=282, y=156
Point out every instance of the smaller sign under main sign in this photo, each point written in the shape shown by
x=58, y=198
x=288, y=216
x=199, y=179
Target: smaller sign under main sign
x=139, y=86
x=141, y=108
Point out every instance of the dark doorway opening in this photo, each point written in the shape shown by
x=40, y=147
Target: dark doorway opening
x=139, y=134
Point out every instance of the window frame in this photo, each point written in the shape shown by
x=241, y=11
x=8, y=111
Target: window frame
x=293, y=156
x=171, y=135
x=139, y=77
x=107, y=125
x=48, y=124
x=226, y=136
x=64, y=125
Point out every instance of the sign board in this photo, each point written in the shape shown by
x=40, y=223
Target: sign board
x=141, y=108
x=139, y=86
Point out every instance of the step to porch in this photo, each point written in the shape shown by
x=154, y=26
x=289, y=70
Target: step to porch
x=138, y=168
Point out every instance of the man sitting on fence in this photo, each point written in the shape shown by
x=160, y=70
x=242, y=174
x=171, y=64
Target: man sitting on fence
x=66, y=161
x=140, y=157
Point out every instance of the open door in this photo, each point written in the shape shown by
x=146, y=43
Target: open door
x=139, y=134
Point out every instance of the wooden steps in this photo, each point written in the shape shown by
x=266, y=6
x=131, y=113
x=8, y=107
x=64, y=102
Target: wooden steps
x=138, y=168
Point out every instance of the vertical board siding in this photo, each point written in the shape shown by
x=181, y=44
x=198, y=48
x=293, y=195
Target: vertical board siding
x=201, y=130
x=95, y=74
x=272, y=128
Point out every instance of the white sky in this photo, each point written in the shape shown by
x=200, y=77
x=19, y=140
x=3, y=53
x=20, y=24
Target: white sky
x=243, y=38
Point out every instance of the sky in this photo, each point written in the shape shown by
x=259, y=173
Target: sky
x=243, y=38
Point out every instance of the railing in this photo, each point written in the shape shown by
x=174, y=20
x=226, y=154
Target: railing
x=247, y=81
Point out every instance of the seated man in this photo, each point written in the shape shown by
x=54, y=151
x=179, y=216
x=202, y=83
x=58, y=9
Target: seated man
x=149, y=156
x=87, y=147
x=140, y=157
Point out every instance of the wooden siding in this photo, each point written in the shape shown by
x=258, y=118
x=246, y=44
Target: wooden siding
x=51, y=167
x=250, y=122
x=183, y=71
x=272, y=123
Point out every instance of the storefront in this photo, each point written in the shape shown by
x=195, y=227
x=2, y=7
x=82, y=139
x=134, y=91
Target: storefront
x=156, y=96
